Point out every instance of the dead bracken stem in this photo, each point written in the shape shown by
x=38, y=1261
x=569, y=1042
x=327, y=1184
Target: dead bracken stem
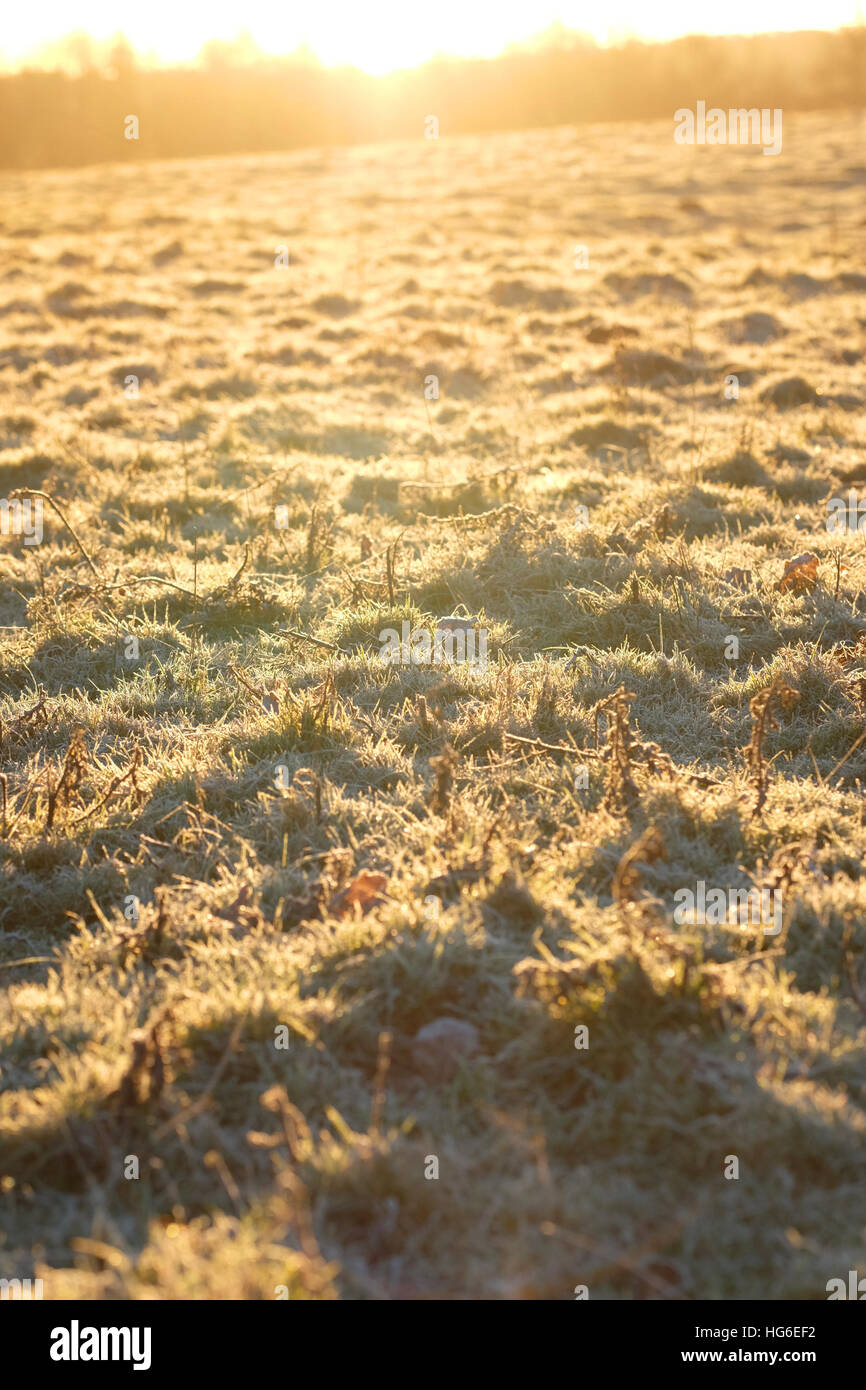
x=145, y=1077
x=443, y=770
x=72, y=774
x=35, y=715
x=625, y=752
x=620, y=789
x=763, y=720
x=647, y=849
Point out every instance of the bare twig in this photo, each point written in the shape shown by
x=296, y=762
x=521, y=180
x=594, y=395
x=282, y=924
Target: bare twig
x=553, y=747
x=316, y=641
x=46, y=497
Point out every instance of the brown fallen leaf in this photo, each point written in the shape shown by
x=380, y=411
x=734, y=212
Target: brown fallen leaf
x=801, y=574
x=856, y=686
x=846, y=653
x=365, y=891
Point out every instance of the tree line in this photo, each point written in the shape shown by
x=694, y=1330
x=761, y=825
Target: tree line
x=223, y=106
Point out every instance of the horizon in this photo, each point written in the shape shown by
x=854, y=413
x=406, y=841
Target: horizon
x=394, y=42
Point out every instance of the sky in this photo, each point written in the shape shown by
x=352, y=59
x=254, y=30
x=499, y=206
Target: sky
x=383, y=35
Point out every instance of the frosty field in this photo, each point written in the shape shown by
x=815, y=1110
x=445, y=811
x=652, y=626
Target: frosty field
x=599, y=394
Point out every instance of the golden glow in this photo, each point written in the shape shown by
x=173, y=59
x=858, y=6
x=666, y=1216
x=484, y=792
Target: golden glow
x=386, y=34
